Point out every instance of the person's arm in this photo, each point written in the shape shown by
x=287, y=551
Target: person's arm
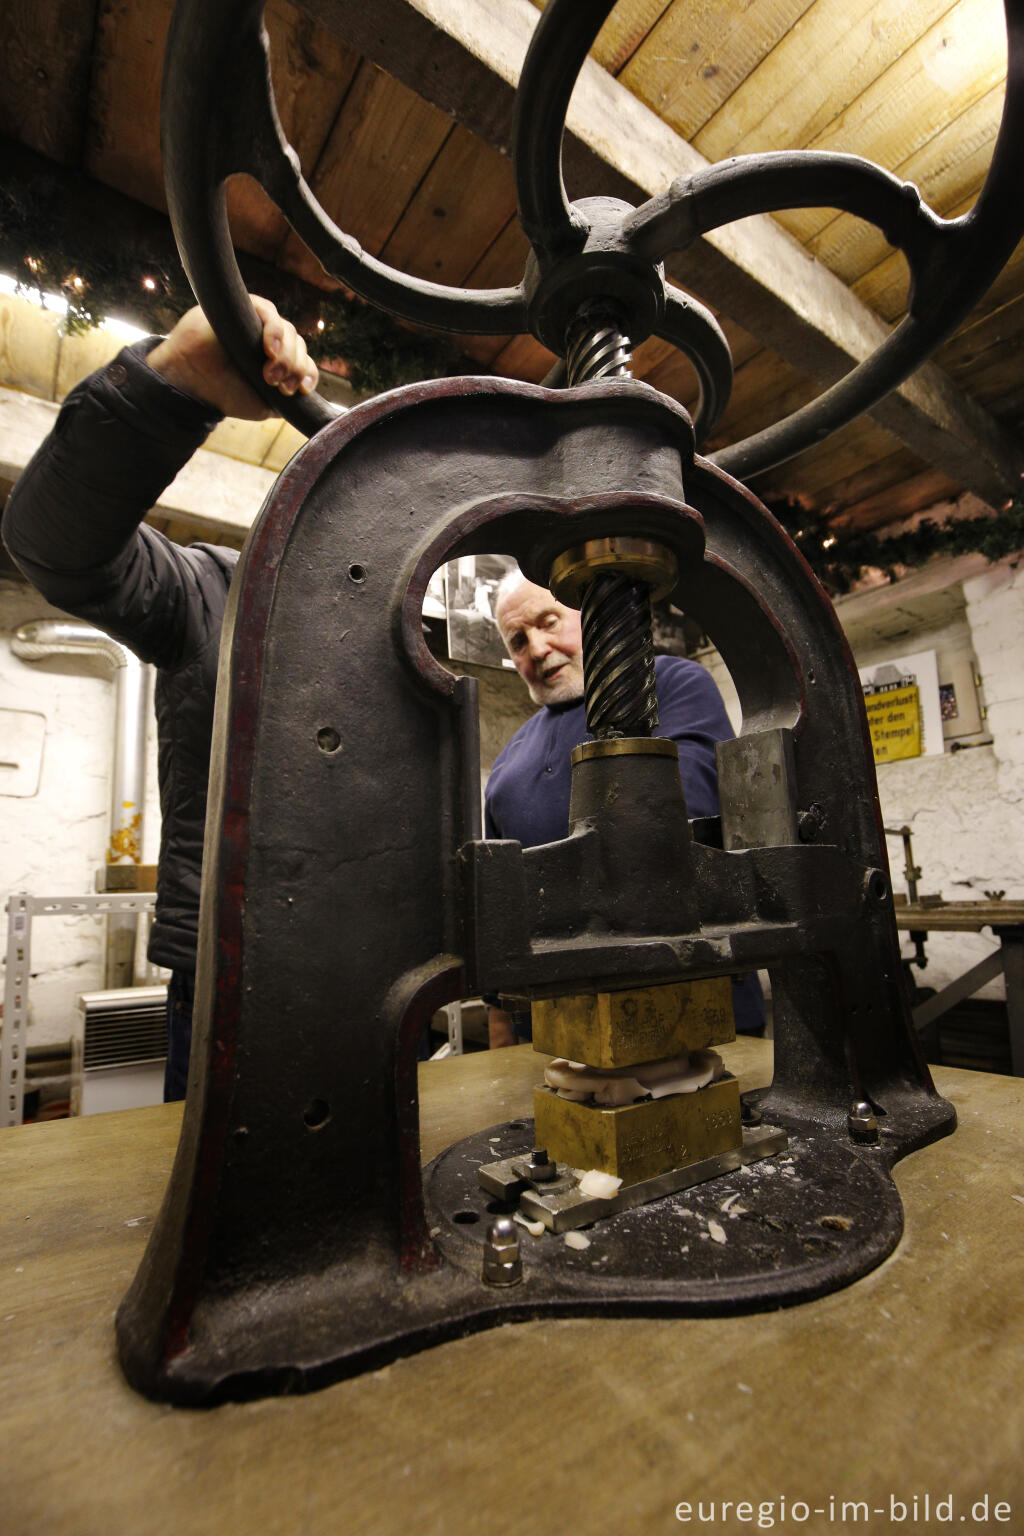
x=194, y=362
x=72, y=521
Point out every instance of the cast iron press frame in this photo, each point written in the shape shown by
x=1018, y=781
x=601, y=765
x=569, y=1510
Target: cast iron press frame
x=347, y=894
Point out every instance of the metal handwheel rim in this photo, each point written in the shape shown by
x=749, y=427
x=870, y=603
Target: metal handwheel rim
x=965, y=252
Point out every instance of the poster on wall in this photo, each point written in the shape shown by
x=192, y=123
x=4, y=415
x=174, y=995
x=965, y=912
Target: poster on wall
x=901, y=696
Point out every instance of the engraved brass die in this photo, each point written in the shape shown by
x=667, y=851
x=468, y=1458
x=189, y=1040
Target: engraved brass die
x=640, y=1141
x=622, y=1029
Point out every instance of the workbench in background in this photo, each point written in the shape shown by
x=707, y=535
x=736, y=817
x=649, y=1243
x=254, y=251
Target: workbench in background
x=1006, y=920
x=907, y=1383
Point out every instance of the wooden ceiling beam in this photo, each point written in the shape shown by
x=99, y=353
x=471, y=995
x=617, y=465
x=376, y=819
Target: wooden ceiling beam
x=464, y=56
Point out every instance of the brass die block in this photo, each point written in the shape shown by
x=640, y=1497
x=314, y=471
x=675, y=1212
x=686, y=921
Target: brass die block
x=640, y=1141
x=622, y=1029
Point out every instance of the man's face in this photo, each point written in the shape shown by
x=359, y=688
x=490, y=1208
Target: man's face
x=545, y=642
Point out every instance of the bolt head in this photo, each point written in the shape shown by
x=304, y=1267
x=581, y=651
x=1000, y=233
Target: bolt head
x=861, y=1122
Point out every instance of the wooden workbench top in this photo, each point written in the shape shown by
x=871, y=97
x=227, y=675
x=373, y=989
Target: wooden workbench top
x=961, y=916
x=908, y=1383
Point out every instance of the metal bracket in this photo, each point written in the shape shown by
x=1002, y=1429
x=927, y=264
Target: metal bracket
x=561, y=1205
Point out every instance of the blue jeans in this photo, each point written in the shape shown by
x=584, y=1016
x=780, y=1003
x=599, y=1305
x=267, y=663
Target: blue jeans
x=181, y=993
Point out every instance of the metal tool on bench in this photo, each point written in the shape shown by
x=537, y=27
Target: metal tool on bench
x=347, y=891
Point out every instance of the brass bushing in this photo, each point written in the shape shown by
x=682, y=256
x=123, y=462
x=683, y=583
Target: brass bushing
x=624, y=746
x=639, y=559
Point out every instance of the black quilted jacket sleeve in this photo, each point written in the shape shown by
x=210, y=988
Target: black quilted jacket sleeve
x=72, y=522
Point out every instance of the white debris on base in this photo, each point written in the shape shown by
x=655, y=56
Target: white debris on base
x=598, y=1185
x=612, y=1087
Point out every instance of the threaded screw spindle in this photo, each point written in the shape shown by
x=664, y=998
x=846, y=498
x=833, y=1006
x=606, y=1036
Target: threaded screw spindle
x=618, y=650
x=597, y=348
x=618, y=657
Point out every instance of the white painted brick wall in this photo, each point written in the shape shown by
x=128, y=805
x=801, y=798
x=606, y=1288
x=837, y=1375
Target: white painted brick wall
x=965, y=809
x=52, y=843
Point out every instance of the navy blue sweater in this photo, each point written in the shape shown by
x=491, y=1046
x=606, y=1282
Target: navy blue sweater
x=527, y=795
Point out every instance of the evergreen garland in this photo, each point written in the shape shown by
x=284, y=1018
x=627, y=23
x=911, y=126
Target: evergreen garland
x=147, y=286
x=378, y=352
x=839, y=557
x=44, y=253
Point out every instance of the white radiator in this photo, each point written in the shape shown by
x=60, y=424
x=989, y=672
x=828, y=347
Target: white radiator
x=119, y=1049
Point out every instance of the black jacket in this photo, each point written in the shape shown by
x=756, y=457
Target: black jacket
x=72, y=525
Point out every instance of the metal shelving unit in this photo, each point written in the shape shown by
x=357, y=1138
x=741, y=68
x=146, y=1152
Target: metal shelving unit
x=22, y=909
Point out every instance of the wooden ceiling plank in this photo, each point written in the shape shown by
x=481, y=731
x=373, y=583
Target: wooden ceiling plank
x=846, y=453
x=959, y=60
x=466, y=60
x=850, y=442
x=383, y=144
x=295, y=258
x=990, y=337
x=45, y=65
x=948, y=171
x=483, y=349
x=759, y=411
x=464, y=202
x=501, y=266
x=1011, y=407
x=124, y=143
x=524, y=358
x=885, y=286
x=123, y=139
x=312, y=71
x=627, y=26
x=665, y=368
x=763, y=377
x=996, y=381
x=503, y=263
x=837, y=495
x=624, y=31
x=901, y=501
x=935, y=166
x=672, y=375
x=650, y=354
x=697, y=57
x=257, y=224
x=828, y=59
